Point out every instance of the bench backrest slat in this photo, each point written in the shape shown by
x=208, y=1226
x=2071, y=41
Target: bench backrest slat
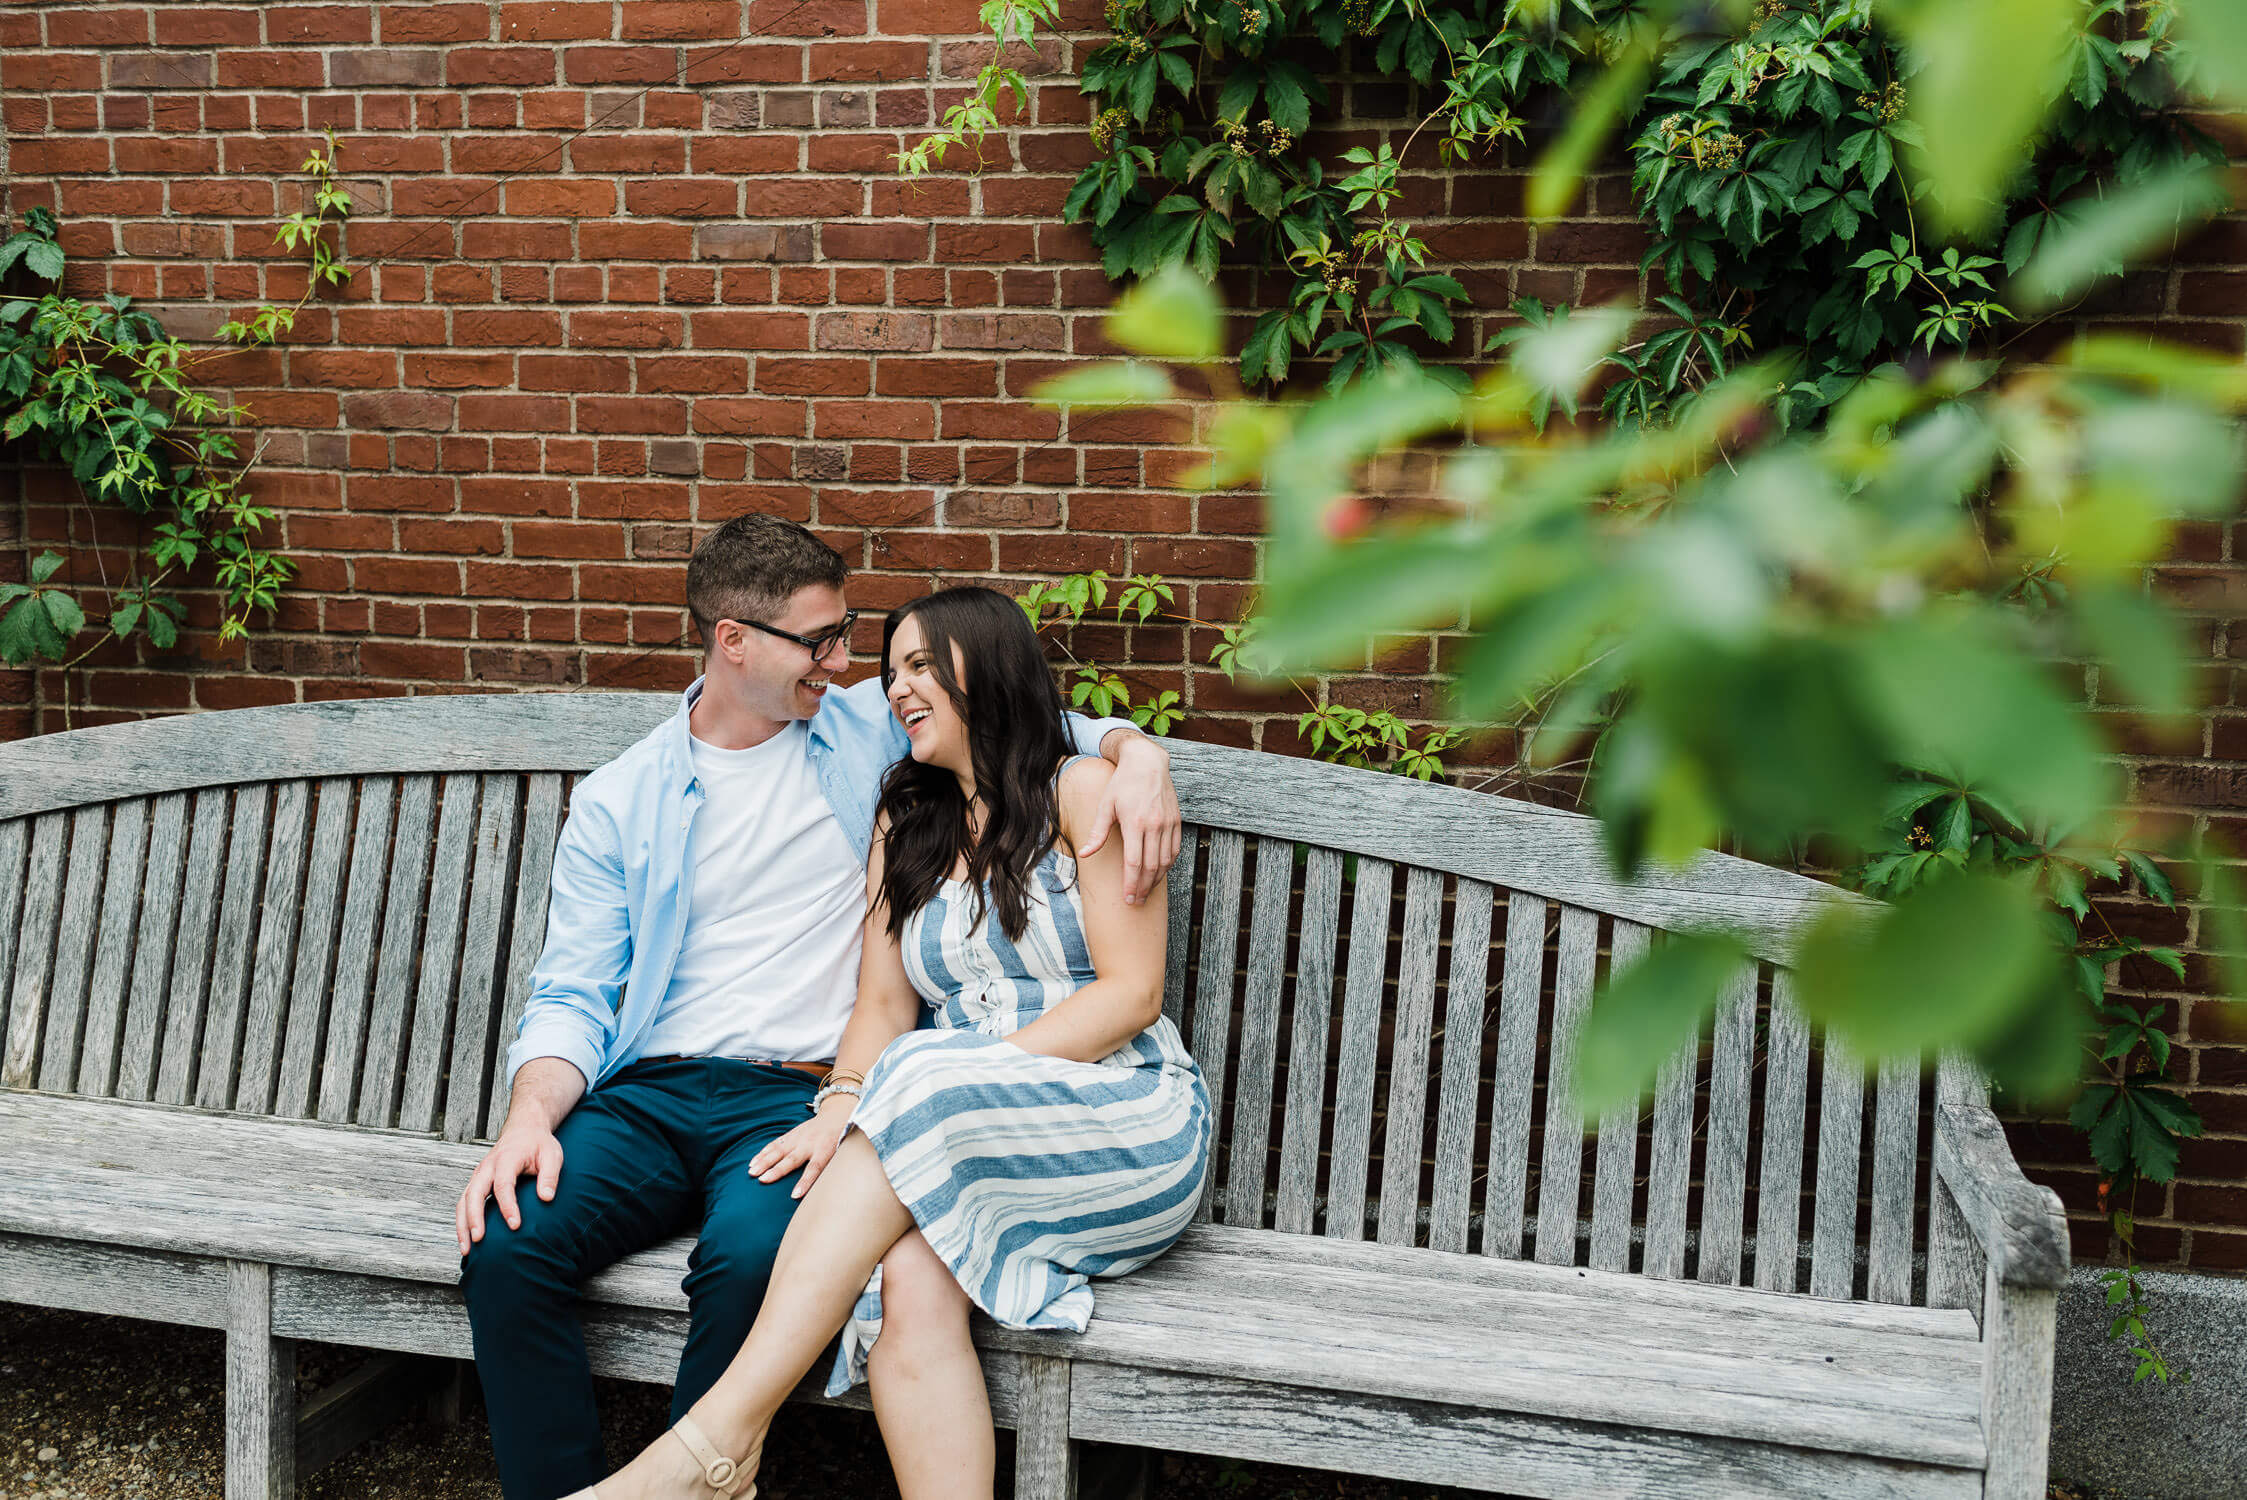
x=296, y=1086
x=1888, y=1270
x=1506, y=1180
x=1296, y=1208
x=1669, y=1155
x=1458, y=1103
x=73, y=962
x=390, y=1010
x=1615, y=1169
x=274, y=968
x=1178, y=951
x=113, y=947
x=1786, y=1085
x=1213, y=996
x=355, y=948
x=1406, y=1125
x=1833, y=1233
x=15, y=847
x=498, y=830
x=35, y=948
x=152, y=948
x=1371, y=900
x=1724, y=1172
x=445, y=909
x=232, y=949
x=1560, y=1172
x=542, y=824
x=192, y=949
x=1250, y=1138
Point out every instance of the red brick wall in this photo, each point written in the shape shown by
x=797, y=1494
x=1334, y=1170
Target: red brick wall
x=626, y=274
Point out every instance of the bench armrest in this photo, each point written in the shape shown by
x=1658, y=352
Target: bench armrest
x=2019, y=1226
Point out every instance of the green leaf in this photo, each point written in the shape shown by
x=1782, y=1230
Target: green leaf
x=27, y=632
x=2213, y=34
x=1978, y=115
x=1950, y=965
x=1108, y=386
x=1170, y=315
x=45, y=566
x=2139, y=646
x=45, y=259
x=64, y=610
x=2101, y=237
x=1646, y=1013
x=2151, y=879
x=124, y=617
x=1598, y=110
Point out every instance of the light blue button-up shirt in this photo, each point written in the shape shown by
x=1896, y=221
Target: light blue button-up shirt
x=623, y=872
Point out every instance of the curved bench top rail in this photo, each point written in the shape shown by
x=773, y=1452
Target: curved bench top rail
x=1518, y=845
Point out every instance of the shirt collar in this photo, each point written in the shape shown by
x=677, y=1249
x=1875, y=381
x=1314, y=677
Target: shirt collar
x=682, y=736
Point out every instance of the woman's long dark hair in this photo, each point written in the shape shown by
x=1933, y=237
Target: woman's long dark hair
x=1015, y=736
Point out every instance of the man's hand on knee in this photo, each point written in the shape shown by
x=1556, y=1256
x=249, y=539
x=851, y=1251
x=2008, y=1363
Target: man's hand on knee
x=517, y=1154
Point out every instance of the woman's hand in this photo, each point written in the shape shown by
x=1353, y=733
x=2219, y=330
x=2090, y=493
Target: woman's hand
x=809, y=1146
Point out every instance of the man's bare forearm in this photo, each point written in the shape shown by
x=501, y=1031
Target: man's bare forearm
x=546, y=1090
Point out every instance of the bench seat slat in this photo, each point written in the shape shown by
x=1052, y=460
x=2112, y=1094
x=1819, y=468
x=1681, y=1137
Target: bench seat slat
x=35, y=949
x=192, y=949
x=1506, y=1182
x=1247, y=1160
x=1560, y=1187
x=152, y=949
x=66, y=989
x=1459, y=1100
x=1778, y=1229
x=1295, y=1210
x=1351, y=1157
x=113, y=948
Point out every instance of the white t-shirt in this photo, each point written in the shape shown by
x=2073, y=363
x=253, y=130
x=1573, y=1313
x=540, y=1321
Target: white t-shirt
x=769, y=964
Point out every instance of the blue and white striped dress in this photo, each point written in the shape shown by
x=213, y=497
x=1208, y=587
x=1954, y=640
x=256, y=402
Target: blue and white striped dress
x=1027, y=1175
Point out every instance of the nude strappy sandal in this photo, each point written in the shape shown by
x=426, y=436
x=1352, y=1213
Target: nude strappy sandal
x=724, y=1475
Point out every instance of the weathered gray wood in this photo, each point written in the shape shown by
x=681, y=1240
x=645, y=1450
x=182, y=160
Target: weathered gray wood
x=1954, y=1269
x=1669, y=1167
x=2018, y=1226
x=193, y=949
x=114, y=1280
x=489, y=889
x=1506, y=1181
x=1178, y=949
x=1502, y=842
x=315, y=950
x=1407, y=1113
x=363, y=1404
x=1350, y=1159
x=2017, y=1338
x=1615, y=1164
x=1833, y=1221
x=355, y=949
x=1295, y=1209
x=113, y=948
x=1724, y=1170
x=542, y=823
x=233, y=948
x=1465, y=995
x=1786, y=1082
x=15, y=843
x=1045, y=1460
x=1213, y=997
x=260, y=1391
x=1431, y=1443
x=275, y=961
x=402, y=913
x=1560, y=1187
x=152, y=949
x=1250, y=1138
x=1888, y=1261
x=66, y=991
x=440, y=955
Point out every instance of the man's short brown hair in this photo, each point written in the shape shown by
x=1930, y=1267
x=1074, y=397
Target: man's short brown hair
x=749, y=568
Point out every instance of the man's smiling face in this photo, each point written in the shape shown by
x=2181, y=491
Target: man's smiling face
x=779, y=679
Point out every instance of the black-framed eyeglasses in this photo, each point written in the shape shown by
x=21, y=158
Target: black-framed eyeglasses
x=818, y=645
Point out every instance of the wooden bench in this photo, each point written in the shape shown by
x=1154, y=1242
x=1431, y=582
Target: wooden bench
x=257, y=966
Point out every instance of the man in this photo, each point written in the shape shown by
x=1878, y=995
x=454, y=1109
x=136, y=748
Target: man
x=701, y=960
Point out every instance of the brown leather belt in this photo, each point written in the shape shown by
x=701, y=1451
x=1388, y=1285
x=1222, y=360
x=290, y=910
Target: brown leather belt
x=815, y=1069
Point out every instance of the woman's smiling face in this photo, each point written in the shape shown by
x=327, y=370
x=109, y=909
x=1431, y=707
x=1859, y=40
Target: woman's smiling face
x=918, y=698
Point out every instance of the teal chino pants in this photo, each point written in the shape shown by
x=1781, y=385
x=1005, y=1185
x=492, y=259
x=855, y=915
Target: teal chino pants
x=660, y=1149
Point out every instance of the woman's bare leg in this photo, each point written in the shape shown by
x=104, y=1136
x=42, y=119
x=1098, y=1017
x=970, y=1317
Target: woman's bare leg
x=927, y=1383
x=848, y=1221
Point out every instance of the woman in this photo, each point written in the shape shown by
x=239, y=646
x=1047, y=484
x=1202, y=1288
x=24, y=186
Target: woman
x=1046, y=1126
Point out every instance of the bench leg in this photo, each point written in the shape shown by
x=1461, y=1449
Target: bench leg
x=2017, y=1335
x=260, y=1390
x=1045, y=1461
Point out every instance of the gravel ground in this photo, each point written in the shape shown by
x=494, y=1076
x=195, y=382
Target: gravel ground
x=97, y=1408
